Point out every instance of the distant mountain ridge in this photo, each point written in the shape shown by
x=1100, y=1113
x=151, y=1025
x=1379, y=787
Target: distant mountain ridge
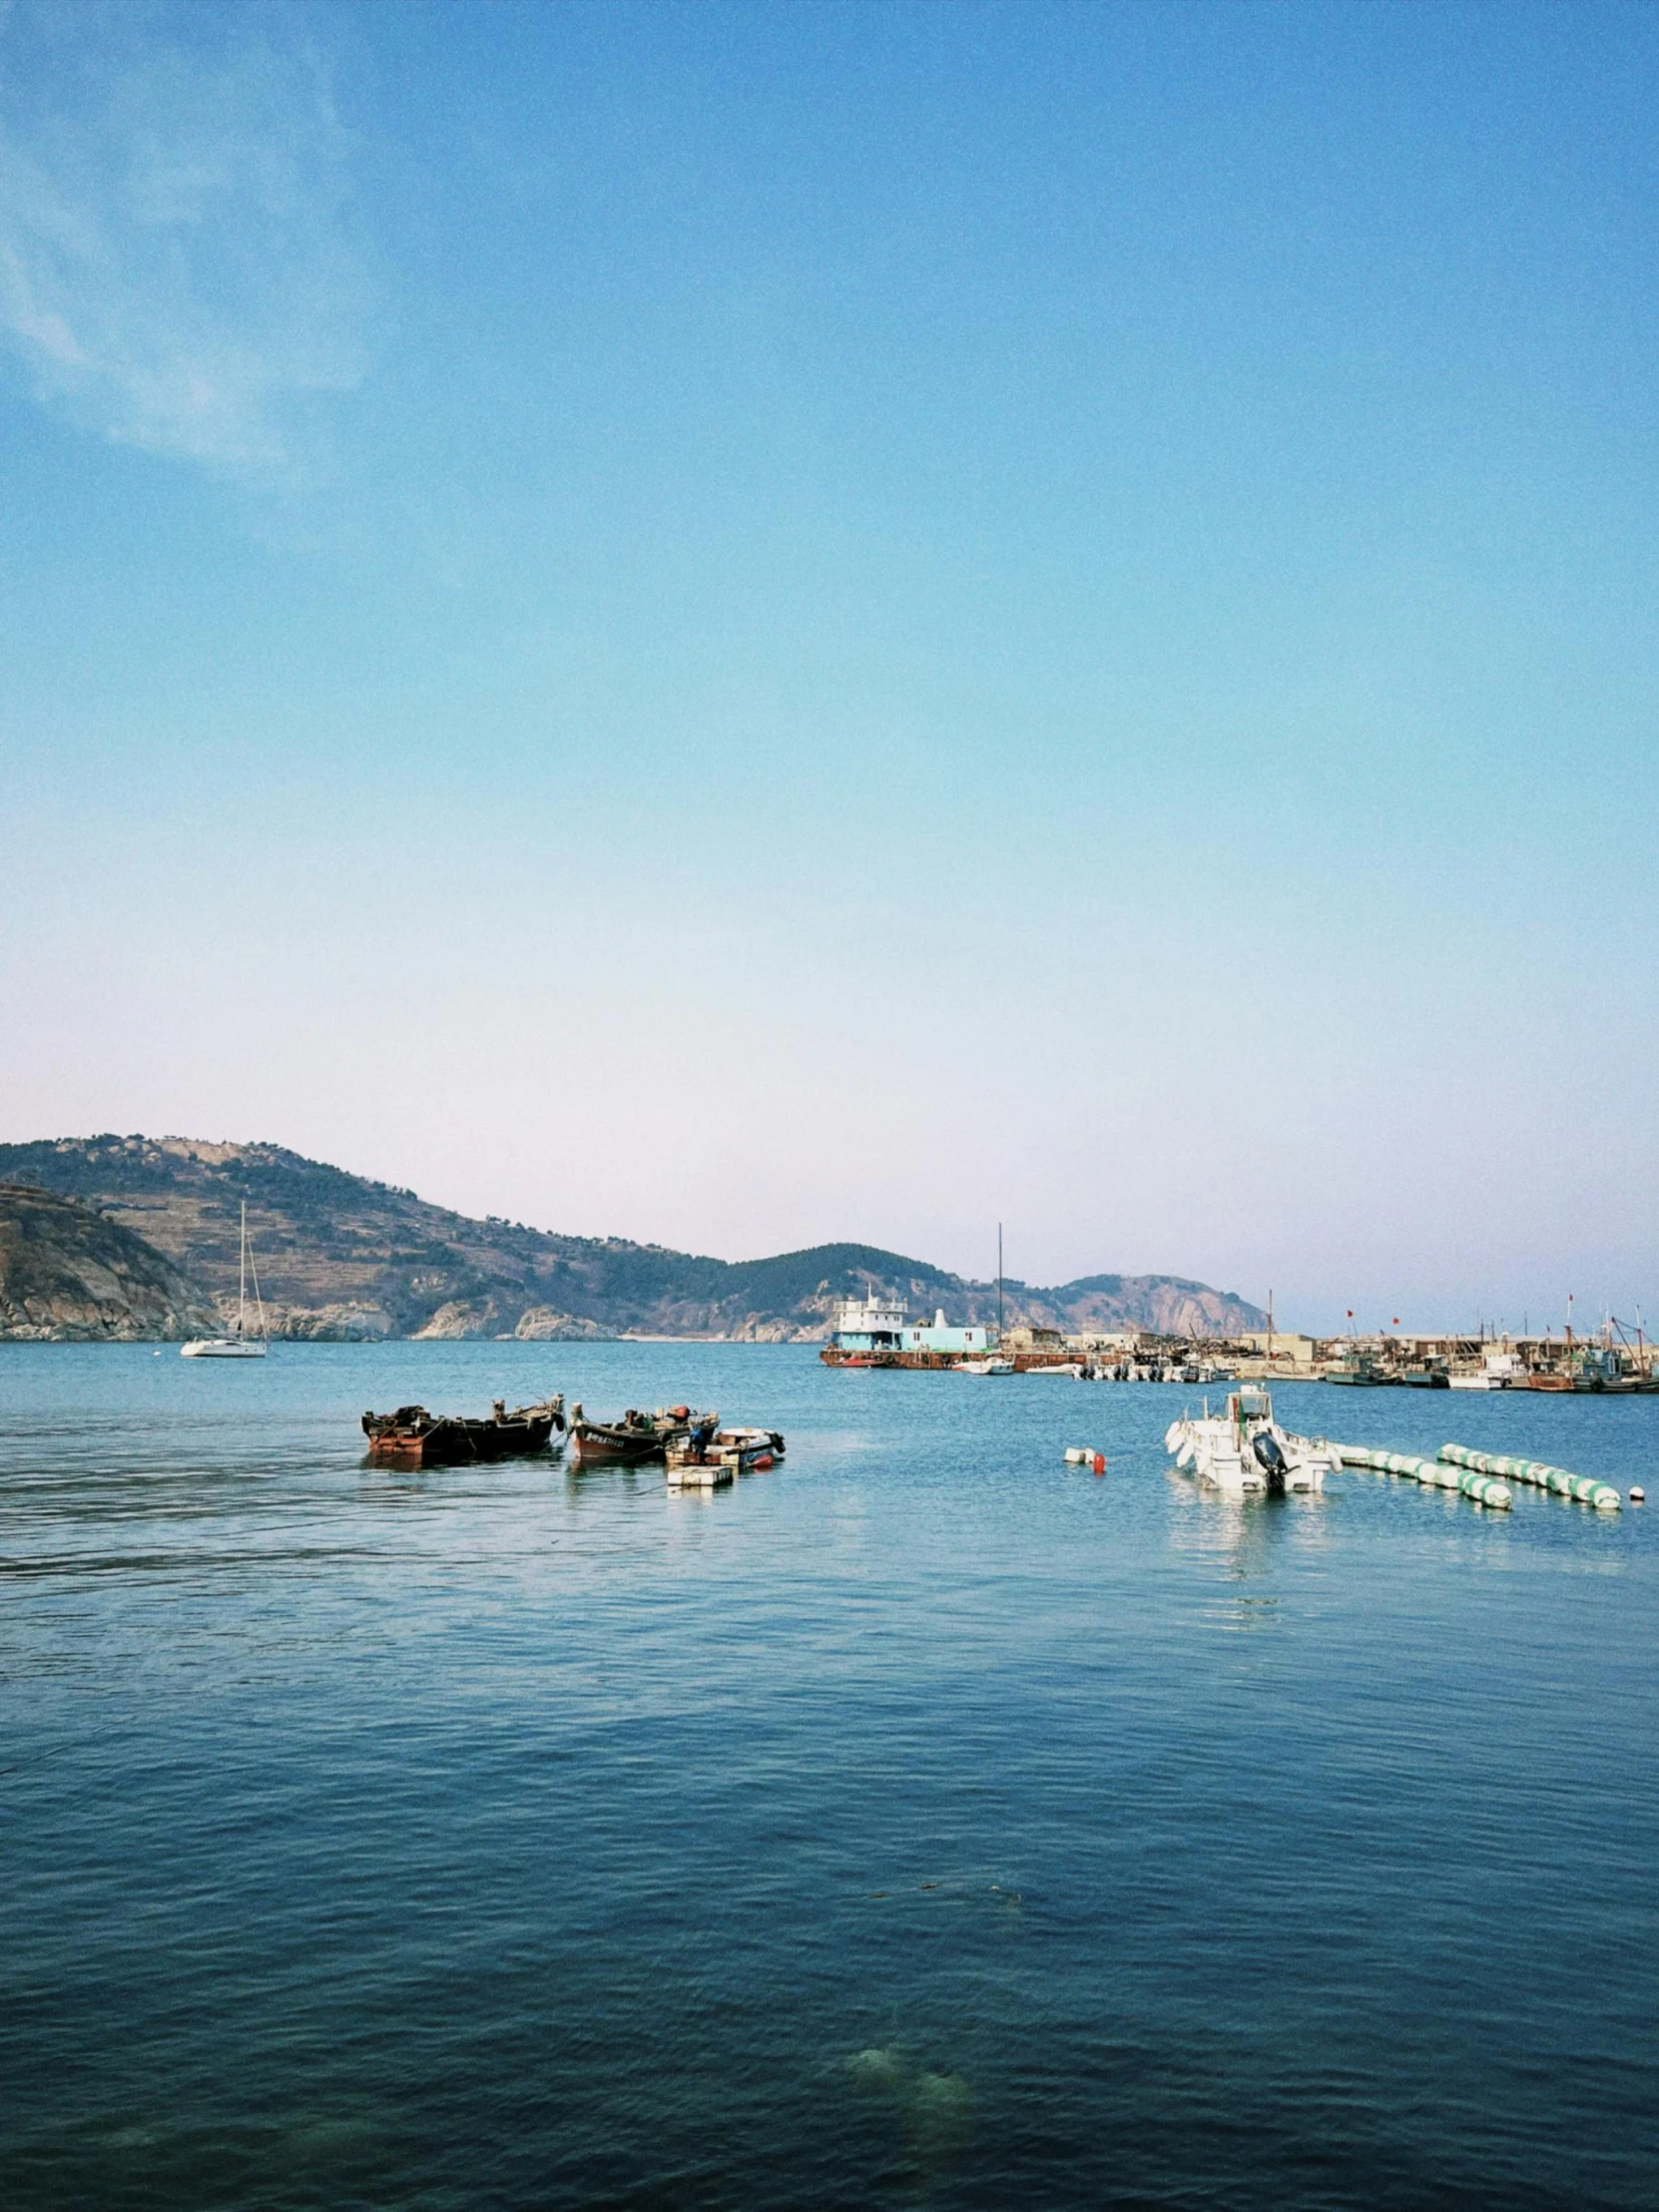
x=342, y=1256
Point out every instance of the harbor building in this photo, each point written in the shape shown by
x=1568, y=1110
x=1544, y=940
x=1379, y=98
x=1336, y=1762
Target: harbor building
x=1286, y=1345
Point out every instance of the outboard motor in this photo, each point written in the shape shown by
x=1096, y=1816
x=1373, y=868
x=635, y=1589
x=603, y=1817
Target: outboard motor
x=1271, y=1461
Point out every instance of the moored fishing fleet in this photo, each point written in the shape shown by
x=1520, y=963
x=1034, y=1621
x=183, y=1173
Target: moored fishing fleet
x=877, y=1332
x=694, y=1449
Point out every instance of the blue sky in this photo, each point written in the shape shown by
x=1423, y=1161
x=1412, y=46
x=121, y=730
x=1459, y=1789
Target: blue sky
x=747, y=625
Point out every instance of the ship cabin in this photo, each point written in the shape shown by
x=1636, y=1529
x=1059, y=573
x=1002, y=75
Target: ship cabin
x=870, y=1325
x=878, y=1324
x=940, y=1336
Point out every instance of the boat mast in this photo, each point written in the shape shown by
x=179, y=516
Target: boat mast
x=259, y=1301
x=999, y=1283
x=242, y=1286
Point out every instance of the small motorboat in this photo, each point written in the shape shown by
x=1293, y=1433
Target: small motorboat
x=994, y=1362
x=707, y=1444
x=1245, y=1450
x=414, y=1438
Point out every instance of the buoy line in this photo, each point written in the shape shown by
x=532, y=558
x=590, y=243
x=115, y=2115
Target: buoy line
x=1586, y=1489
x=1475, y=1484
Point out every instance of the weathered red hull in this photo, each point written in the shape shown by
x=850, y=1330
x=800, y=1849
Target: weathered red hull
x=592, y=1445
x=833, y=1356
x=412, y=1438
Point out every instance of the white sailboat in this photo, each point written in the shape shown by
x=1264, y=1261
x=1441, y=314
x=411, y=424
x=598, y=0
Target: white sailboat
x=239, y=1344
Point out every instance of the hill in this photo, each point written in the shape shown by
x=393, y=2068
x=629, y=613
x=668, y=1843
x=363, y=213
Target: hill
x=341, y=1256
x=67, y=1271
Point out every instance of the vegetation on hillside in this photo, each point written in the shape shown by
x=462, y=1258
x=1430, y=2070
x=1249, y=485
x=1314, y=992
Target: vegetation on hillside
x=342, y=1256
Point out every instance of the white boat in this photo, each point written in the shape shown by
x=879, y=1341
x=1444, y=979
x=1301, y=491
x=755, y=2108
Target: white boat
x=1245, y=1450
x=239, y=1344
x=1500, y=1370
x=992, y=1364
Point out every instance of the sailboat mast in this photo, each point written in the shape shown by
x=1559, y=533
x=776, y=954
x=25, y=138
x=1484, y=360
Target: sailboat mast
x=259, y=1301
x=999, y=1282
x=242, y=1286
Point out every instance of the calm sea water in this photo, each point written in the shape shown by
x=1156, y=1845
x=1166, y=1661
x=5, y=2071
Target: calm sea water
x=922, y=1823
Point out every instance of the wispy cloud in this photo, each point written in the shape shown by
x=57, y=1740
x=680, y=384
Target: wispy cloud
x=179, y=261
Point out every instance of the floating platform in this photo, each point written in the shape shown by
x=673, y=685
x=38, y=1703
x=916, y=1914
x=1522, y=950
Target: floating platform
x=717, y=1474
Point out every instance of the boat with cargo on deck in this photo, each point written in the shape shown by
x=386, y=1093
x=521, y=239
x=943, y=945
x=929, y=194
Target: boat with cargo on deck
x=635, y=1438
x=707, y=1444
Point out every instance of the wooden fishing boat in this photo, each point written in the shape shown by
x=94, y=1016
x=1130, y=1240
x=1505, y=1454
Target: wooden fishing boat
x=414, y=1438
x=635, y=1438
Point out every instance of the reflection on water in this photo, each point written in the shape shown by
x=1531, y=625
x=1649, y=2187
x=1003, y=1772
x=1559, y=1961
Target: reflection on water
x=892, y=1827
x=933, y=2109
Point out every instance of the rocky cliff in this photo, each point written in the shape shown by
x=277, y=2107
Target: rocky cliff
x=342, y=1256
x=68, y=1271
